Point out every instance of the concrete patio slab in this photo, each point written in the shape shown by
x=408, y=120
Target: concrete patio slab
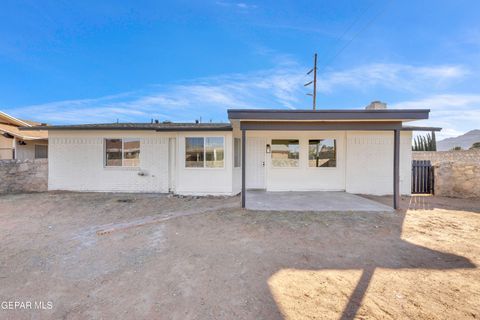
x=310, y=201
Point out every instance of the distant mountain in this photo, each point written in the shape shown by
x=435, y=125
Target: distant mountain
x=465, y=141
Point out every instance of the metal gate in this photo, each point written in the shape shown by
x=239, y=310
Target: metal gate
x=422, y=177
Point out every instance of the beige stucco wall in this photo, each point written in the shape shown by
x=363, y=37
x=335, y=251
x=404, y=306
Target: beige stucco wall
x=6, y=147
x=27, y=151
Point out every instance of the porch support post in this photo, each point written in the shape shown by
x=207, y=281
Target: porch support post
x=243, y=167
x=396, y=169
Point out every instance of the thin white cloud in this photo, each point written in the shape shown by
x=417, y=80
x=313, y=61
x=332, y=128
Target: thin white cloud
x=455, y=113
x=240, y=5
x=398, y=77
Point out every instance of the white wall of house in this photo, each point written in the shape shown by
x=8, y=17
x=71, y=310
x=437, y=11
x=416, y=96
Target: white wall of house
x=237, y=171
x=364, y=163
x=370, y=162
x=203, y=181
x=303, y=177
x=76, y=162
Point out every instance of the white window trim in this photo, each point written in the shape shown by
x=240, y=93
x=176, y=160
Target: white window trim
x=122, y=167
x=204, y=154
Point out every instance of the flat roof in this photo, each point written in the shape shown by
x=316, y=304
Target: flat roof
x=162, y=126
x=334, y=114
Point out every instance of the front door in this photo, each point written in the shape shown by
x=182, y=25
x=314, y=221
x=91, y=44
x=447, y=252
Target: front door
x=255, y=161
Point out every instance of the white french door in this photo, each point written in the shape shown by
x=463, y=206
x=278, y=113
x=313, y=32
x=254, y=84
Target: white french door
x=255, y=161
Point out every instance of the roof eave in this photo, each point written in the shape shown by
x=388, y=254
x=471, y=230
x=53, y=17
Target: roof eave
x=413, y=128
x=110, y=128
x=322, y=115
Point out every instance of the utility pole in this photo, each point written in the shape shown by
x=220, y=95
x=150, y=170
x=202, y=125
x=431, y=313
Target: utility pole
x=314, y=82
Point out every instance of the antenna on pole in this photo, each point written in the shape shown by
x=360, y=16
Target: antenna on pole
x=314, y=82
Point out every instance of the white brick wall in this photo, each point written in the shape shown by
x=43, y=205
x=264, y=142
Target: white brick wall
x=370, y=162
x=77, y=162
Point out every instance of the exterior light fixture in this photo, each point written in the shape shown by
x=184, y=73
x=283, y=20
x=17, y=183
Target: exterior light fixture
x=269, y=149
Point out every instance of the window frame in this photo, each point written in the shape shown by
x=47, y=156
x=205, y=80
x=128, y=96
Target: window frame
x=35, y=151
x=308, y=154
x=123, y=167
x=204, y=167
x=298, y=166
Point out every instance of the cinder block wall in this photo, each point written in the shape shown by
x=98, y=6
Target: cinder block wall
x=23, y=175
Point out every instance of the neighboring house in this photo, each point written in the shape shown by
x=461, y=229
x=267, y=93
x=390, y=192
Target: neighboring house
x=357, y=151
x=21, y=145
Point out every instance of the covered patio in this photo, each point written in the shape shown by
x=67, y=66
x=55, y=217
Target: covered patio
x=384, y=127
x=311, y=201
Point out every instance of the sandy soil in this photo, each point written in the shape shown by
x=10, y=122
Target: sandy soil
x=158, y=257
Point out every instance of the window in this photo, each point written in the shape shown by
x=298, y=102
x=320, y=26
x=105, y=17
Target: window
x=203, y=152
x=194, y=152
x=122, y=152
x=322, y=153
x=131, y=153
x=41, y=151
x=285, y=153
x=237, y=152
x=214, y=152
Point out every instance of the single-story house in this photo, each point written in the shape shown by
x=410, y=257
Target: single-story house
x=19, y=144
x=357, y=151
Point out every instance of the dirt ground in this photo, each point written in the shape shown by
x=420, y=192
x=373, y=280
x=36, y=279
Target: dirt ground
x=109, y=256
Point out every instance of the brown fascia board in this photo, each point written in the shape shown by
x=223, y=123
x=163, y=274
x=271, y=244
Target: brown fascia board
x=345, y=115
x=413, y=128
x=194, y=129
x=123, y=128
x=320, y=125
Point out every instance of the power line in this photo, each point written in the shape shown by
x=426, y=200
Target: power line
x=354, y=22
x=365, y=27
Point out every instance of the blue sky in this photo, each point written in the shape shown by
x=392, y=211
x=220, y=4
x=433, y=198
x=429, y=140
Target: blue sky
x=99, y=61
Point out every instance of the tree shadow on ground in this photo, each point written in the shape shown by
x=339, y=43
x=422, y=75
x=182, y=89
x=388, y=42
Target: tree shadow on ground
x=389, y=252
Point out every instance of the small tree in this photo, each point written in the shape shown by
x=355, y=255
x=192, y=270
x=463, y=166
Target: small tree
x=434, y=141
x=476, y=145
x=425, y=143
x=456, y=148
